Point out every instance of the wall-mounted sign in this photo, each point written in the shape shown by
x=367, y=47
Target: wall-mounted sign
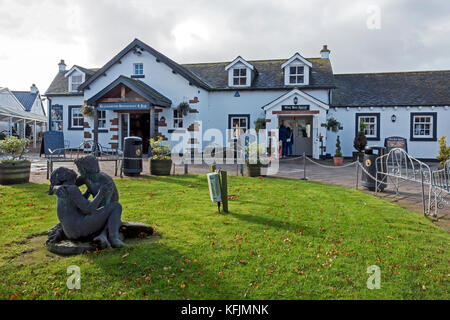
x=295, y=107
x=124, y=106
x=396, y=142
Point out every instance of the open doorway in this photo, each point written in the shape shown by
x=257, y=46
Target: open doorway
x=136, y=125
x=302, y=128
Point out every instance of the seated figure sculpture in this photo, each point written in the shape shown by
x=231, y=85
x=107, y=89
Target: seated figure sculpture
x=81, y=218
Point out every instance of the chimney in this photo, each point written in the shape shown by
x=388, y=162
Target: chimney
x=34, y=89
x=325, y=53
x=62, y=66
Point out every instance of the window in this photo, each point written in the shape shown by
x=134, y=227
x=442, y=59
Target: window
x=76, y=118
x=76, y=82
x=423, y=126
x=297, y=75
x=138, y=69
x=238, y=123
x=101, y=116
x=57, y=117
x=239, y=76
x=372, y=122
x=177, y=119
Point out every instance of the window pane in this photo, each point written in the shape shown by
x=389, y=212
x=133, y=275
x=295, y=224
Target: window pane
x=236, y=72
x=236, y=81
x=243, y=81
x=301, y=70
x=243, y=72
x=293, y=70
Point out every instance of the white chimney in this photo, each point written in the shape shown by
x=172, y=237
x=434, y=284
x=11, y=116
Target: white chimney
x=62, y=66
x=325, y=53
x=34, y=89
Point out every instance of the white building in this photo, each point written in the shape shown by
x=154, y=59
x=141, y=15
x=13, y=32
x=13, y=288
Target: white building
x=22, y=113
x=137, y=93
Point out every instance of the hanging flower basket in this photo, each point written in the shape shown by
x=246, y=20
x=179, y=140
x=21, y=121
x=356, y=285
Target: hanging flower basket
x=87, y=111
x=184, y=108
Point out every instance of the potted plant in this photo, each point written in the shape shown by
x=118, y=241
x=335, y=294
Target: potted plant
x=14, y=170
x=161, y=161
x=254, y=167
x=444, y=152
x=333, y=124
x=87, y=111
x=360, y=143
x=260, y=124
x=184, y=108
x=338, y=159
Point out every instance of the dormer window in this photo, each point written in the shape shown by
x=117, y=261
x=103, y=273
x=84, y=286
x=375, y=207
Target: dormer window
x=240, y=76
x=77, y=80
x=296, y=71
x=297, y=75
x=240, y=73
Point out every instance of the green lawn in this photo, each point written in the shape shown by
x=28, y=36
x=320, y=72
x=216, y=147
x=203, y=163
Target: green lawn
x=282, y=239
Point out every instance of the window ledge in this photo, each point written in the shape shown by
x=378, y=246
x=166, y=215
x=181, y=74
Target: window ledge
x=137, y=76
x=75, y=128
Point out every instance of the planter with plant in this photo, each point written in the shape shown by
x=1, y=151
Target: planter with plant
x=87, y=111
x=360, y=143
x=260, y=124
x=14, y=169
x=161, y=161
x=338, y=159
x=444, y=152
x=254, y=167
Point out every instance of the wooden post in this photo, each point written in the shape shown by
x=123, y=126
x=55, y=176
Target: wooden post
x=224, y=182
x=152, y=122
x=96, y=131
x=34, y=135
x=212, y=168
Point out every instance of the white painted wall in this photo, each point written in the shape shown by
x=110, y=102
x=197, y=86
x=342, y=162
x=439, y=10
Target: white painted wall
x=8, y=99
x=74, y=136
x=419, y=149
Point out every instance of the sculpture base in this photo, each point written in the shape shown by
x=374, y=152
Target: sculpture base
x=65, y=247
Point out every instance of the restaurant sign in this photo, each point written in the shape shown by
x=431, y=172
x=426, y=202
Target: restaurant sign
x=295, y=107
x=125, y=106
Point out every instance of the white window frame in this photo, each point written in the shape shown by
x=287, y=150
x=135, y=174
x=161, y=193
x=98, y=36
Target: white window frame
x=79, y=117
x=422, y=121
x=101, y=116
x=240, y=127
x=296, y=74
x=239, y=77
x=375, y=125
x=177, y=119
x=136, y=71
x=77, y=84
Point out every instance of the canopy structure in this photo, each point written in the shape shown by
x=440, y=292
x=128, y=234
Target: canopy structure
x=13, y=115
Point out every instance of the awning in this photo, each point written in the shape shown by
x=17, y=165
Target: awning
x=9, y=112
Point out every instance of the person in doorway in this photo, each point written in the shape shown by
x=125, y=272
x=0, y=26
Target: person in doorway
x=289, y=141
x=283, y=139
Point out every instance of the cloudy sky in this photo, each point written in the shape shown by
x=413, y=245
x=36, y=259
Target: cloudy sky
x=406, y=35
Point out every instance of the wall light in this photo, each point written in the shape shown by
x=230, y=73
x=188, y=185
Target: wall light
x=296, y=100
x=394, y=118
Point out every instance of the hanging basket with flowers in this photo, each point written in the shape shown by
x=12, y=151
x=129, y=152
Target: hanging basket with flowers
x=184, y=108
x=87, y=111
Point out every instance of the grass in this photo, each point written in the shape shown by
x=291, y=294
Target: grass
x=282, y=240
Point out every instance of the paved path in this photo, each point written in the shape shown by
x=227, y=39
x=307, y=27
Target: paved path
x=409, y=197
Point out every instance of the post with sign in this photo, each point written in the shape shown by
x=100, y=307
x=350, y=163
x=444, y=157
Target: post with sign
x=215, y=191
x=224, y=181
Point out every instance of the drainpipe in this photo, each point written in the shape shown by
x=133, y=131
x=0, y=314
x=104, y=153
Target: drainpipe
x=95, y=129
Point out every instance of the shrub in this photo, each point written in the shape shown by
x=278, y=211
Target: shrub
x=14, y=147
x=87, y=111
x=260, y=124
x=159, y=151
x=338, y=153
x=444, y=151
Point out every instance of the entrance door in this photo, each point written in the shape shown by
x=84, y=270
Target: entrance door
x=303, y=139
x=140, y=127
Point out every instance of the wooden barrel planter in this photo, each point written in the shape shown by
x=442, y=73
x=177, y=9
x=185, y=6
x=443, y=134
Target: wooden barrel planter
x=14, y=172
x=160, y=167
x=253, y=170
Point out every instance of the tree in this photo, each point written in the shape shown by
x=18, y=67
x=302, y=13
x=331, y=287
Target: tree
x=444, y=151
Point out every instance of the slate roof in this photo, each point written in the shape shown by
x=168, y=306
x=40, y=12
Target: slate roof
x=60, y=84
x=422, y=88
x=269, y=74
x=26, y=98
x=137, y=86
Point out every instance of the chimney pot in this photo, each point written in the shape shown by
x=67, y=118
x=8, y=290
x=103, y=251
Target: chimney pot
x=325, y=53
x=34, y=89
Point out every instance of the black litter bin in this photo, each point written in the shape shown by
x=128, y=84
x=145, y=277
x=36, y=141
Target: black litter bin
x=132, y=151
x=370, y=166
